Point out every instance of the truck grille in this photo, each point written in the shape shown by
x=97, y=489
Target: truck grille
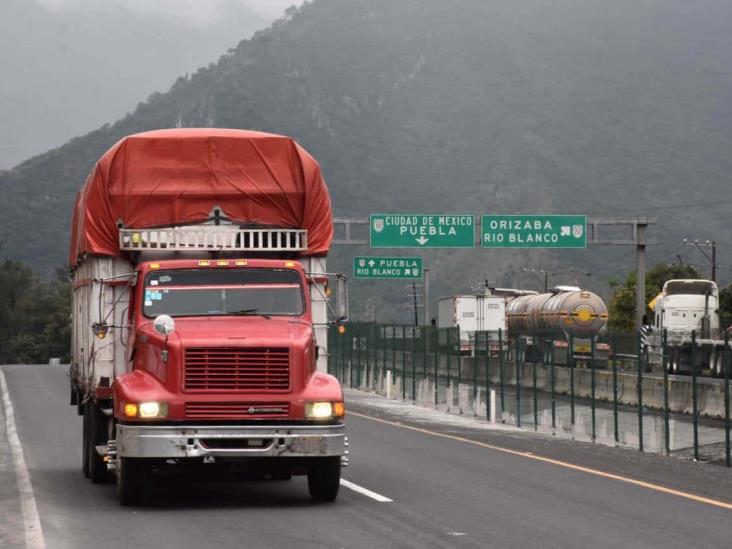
x=237, y=410
x=237, y=369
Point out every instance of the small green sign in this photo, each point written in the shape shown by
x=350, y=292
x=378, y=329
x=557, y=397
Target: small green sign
x=422, y=231
x=387, y=267
x=534, y=231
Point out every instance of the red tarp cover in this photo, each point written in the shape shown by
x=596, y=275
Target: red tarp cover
x=172, y=177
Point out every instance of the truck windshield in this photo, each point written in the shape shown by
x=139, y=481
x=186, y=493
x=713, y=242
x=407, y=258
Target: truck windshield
x=216, y=292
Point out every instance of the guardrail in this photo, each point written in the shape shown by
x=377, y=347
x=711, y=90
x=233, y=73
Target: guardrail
x=611, y=398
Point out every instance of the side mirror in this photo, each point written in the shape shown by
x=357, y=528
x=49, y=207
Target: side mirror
x=164, y=325
x=342, y=297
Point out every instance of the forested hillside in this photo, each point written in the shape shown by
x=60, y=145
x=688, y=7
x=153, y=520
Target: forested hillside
x=464, y=107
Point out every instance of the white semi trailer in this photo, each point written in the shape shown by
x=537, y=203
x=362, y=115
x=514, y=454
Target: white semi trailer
x=473, y=313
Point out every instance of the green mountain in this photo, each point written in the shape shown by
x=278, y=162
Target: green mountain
x=605, y=108
x=71, y=65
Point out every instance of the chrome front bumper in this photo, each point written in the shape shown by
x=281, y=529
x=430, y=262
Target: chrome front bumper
x=169, y=441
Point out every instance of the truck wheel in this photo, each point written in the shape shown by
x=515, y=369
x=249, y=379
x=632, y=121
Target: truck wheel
x=133, y=474
x=324, y=478
x=85, y=446
x=97, y=434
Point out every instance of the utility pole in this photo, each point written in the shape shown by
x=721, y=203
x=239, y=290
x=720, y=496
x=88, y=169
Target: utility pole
x=640, y=275
x=700, y=246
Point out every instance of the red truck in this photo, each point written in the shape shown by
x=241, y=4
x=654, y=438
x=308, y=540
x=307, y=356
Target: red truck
x=200, y=310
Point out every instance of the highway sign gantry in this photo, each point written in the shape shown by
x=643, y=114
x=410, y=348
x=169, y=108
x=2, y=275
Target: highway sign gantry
x=387, y=267
x=533, y=231
x=422, y=231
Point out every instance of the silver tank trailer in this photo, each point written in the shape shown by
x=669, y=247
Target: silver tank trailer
x=579, y=313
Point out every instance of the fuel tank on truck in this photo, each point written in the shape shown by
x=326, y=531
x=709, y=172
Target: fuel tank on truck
x=562, y=312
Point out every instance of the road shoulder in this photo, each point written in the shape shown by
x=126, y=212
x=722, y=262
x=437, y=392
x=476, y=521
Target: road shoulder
x=12, y=533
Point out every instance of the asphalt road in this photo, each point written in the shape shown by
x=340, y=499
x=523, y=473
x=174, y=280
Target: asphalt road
x=446, y=492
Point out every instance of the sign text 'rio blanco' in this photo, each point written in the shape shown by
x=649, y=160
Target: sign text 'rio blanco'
x=534, y=231
x=387, y=267
x=422, y=231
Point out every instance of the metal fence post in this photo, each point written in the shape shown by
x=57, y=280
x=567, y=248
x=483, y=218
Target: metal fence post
x=369, y=366
x=436, y=358
x=448, y=357
x=639, y=386
x=487, y=351
x=350, y=357
x=592, y=387
x=536, y=399
x=664, y=365
x=500, y=369
x=695, y=406
x=459, y=360
x=553, y=387
x=570, y=362
x=414, y=363
x=518, y=361
x=424, y=333
x=475, y=366
x=726, y=366
x=404, y=363
x=393, y=350
x=616, y=430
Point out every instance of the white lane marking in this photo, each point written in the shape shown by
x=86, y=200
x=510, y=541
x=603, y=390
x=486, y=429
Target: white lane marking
x=365, y=491
x=33, y=531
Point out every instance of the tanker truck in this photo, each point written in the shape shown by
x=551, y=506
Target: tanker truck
x=565, y=314
x=200, y=310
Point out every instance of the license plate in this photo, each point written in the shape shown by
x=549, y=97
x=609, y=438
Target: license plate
x=309, y=445
x=582, y=348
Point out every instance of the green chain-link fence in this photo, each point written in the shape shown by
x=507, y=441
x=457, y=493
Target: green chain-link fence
x=609, y=390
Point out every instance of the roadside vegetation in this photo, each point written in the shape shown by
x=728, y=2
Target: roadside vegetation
x=34, y=315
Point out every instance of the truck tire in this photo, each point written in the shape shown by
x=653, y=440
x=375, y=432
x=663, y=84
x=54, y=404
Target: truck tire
x=85, y=447
x=324, y=478
x=133, y=475
x=97, y=434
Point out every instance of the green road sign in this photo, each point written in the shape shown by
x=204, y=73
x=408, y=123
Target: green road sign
x=422, y=231
x=387, y=267
x=534, y=231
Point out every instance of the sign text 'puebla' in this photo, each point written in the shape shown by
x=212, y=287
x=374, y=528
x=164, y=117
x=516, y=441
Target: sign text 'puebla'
x=387, y=267
x=534, y=231
x=422, y=231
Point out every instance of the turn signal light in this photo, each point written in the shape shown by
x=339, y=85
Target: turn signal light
x=341, y=329
x=130, y=410
x=339, y=409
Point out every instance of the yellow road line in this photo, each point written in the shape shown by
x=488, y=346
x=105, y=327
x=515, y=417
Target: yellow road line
x=529, y=455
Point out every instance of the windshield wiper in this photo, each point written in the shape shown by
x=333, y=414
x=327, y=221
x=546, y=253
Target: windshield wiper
x=251, y=312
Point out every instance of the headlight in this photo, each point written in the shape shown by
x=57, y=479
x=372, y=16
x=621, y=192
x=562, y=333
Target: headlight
x=324, y=410
x=152, y=409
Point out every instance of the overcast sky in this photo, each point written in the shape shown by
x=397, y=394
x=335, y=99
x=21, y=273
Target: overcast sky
x=199, y=12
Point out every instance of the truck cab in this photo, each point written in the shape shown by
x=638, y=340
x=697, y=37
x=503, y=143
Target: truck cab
x=225, y=340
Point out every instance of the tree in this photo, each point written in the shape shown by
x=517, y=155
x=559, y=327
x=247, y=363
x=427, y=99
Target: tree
x=34, y=315
x=622, y=302
x=725, y=307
